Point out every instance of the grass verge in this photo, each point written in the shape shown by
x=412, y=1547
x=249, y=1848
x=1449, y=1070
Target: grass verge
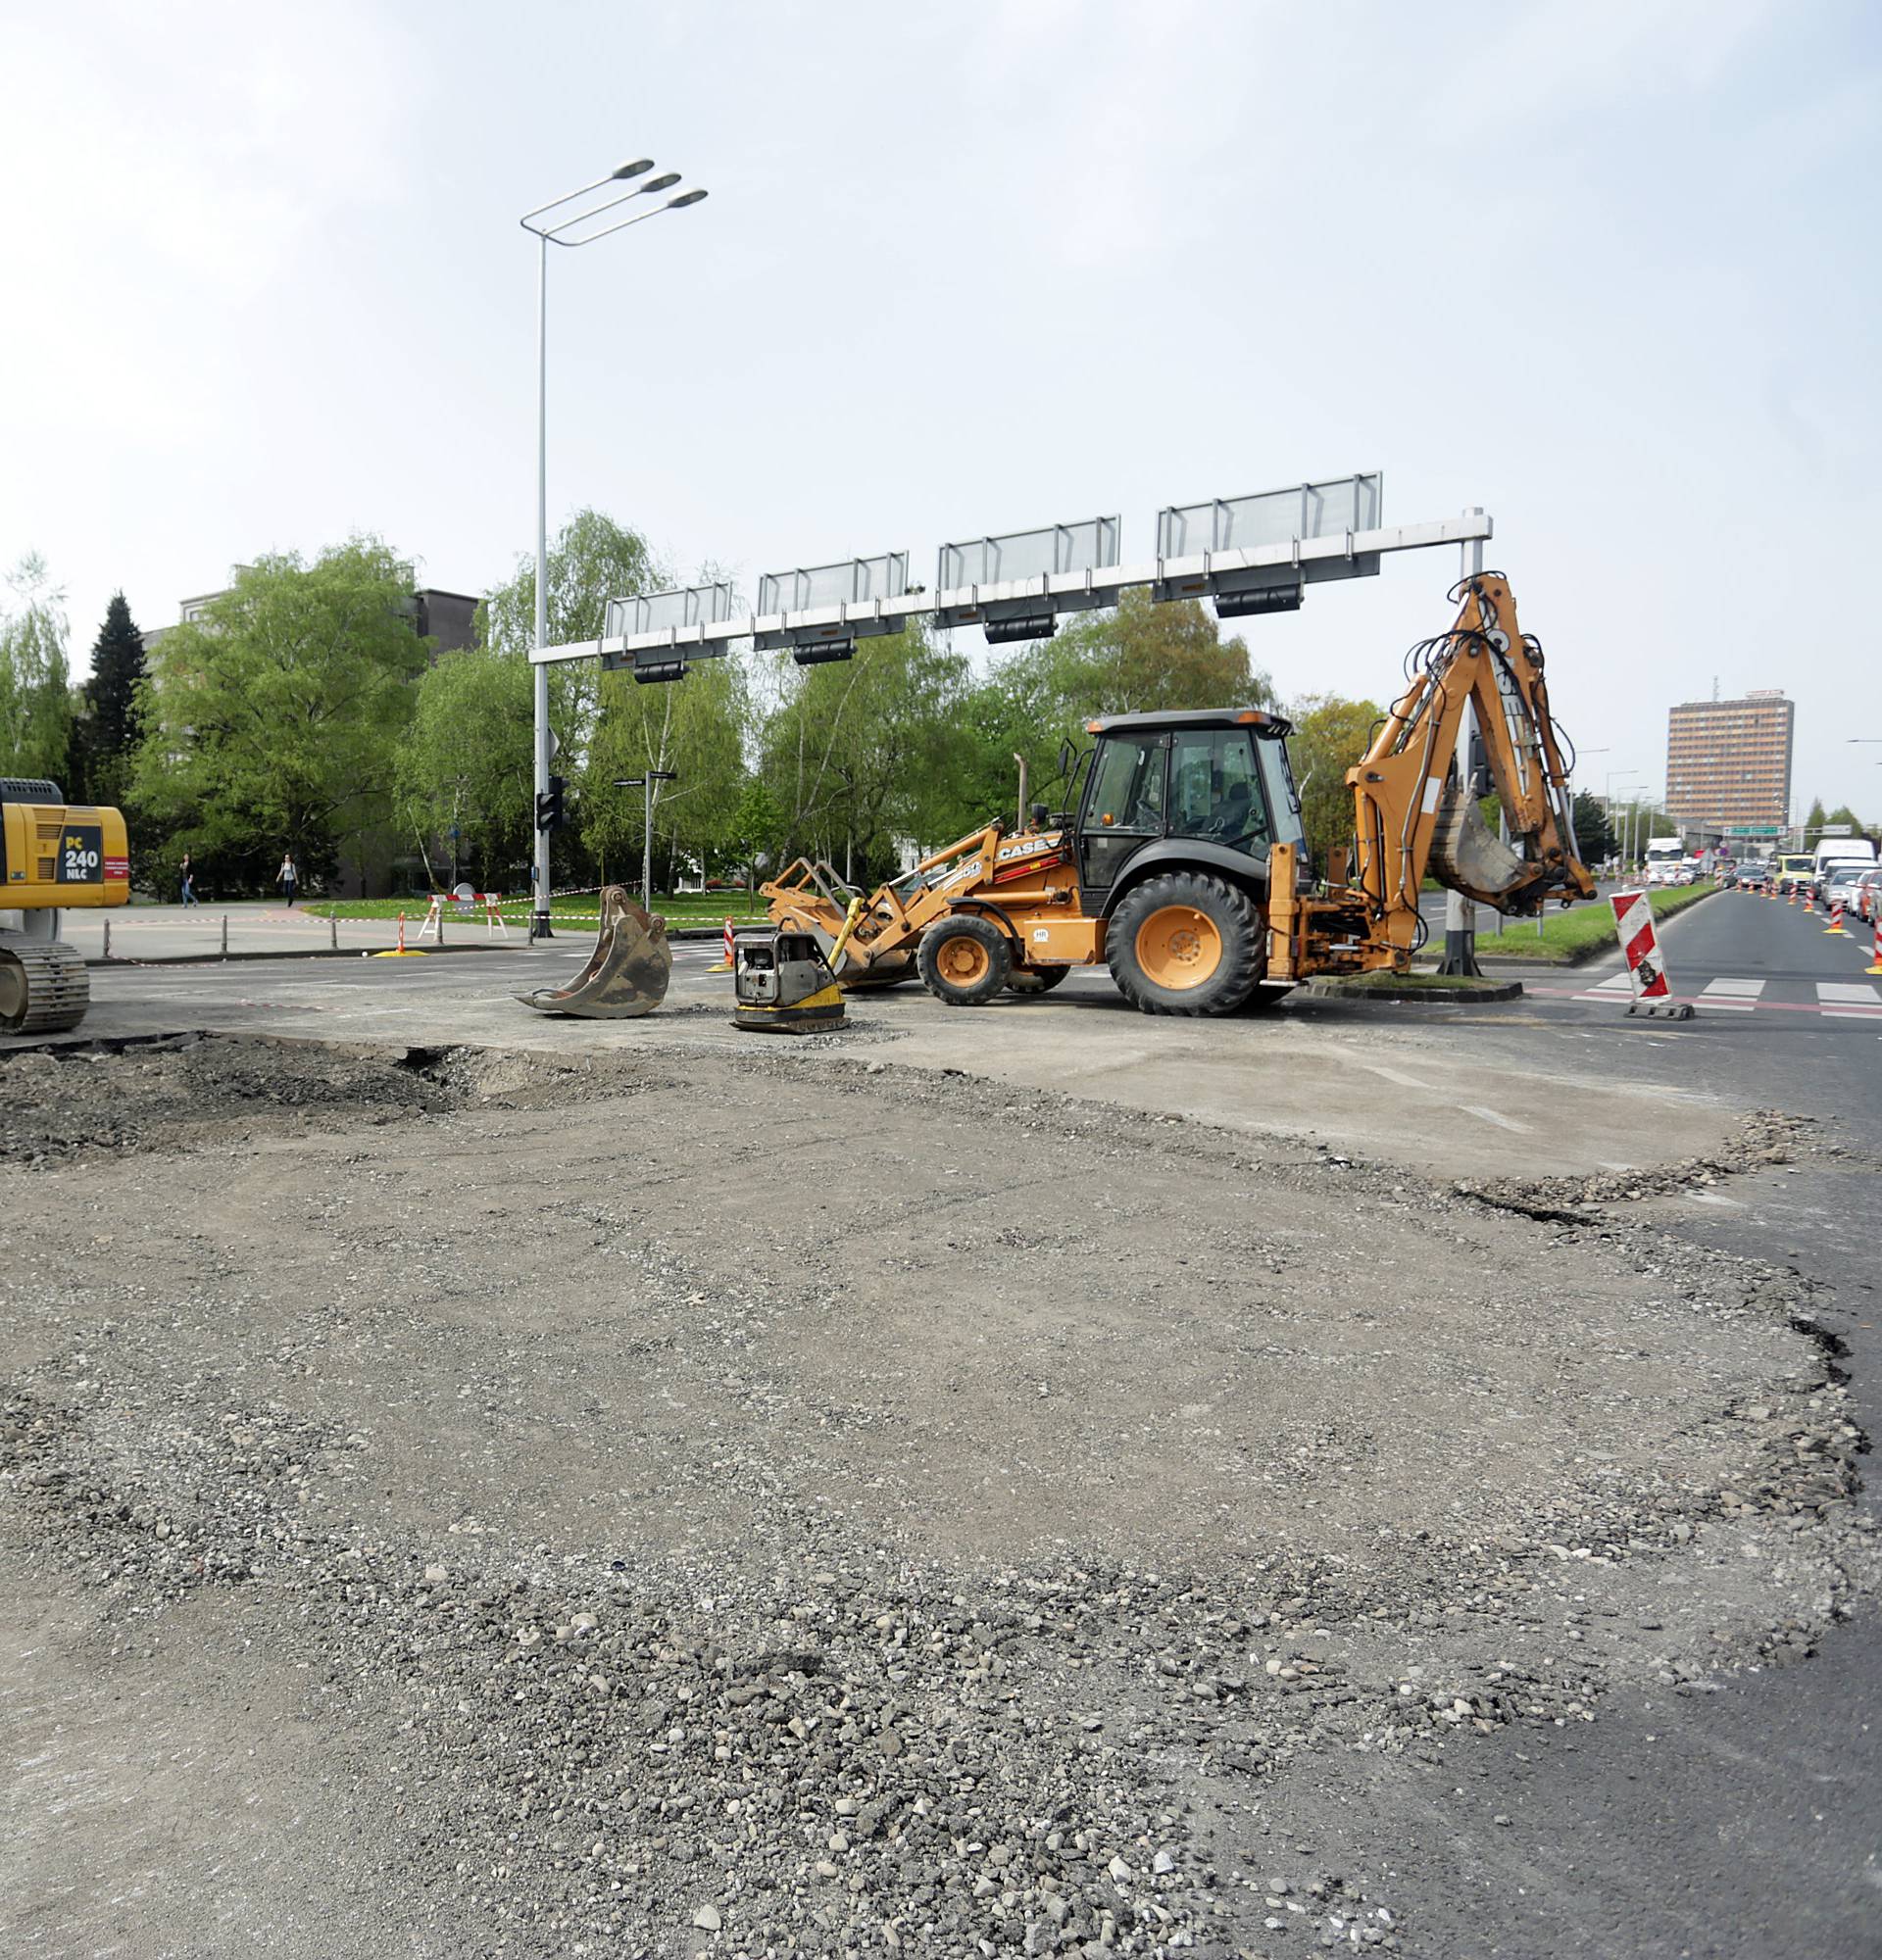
x=1567, y=938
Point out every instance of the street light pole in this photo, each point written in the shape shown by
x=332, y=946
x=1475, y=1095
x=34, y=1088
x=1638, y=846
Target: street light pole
x=539, y=924
x=547, y=234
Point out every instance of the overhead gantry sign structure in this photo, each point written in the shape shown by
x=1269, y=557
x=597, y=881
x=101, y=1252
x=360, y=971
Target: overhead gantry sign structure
x=1247, y=554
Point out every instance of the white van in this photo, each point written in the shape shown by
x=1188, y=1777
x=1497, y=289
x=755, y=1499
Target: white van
x=1843, y=850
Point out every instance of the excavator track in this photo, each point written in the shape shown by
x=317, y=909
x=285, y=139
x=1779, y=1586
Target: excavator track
x=44, y=987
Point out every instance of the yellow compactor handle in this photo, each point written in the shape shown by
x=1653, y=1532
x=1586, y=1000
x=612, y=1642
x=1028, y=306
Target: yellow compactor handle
x=843, y=938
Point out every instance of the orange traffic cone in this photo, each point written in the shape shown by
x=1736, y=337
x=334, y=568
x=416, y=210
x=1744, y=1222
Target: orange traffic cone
x=725, y=964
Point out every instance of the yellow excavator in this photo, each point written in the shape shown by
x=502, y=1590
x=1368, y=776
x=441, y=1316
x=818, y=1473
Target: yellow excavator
x=1179, y=860
x=53, y=854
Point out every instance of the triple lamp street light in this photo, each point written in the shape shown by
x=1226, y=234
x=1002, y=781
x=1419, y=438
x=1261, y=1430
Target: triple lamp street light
x=574, y=228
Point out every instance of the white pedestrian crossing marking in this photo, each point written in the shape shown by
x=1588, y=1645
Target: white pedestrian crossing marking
x=1607, y=989
x=1736, y=997
x=1844, y=1001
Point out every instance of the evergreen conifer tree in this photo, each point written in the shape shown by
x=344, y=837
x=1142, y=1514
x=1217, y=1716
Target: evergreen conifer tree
x=109, y=730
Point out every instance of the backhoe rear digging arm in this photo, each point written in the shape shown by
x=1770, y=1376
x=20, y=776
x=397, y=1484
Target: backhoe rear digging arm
x=1412, y=809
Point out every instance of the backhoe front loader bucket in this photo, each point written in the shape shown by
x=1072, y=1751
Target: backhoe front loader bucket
x=1466, y=857
x=628, y=974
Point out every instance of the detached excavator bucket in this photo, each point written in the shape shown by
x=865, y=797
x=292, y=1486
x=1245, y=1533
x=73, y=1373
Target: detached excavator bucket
x=1466, y=857
x=628, y=974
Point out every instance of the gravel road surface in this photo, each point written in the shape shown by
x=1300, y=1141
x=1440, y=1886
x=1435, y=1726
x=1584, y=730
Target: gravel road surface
x=467, y=1501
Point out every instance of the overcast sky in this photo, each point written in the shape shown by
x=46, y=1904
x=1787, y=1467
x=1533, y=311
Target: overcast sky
x=1609, y=271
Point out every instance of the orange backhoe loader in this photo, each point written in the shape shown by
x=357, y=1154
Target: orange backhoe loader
x=1179, y=860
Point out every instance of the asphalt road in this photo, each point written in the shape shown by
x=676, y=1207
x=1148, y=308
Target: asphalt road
x=1748, y=1821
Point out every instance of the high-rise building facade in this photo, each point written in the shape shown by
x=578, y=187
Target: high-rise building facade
x=1728, y=763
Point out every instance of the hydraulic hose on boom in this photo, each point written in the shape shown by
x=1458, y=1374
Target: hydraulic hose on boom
x=1413, y=810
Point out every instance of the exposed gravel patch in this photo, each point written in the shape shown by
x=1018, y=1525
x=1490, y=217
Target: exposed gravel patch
x=733, y=1507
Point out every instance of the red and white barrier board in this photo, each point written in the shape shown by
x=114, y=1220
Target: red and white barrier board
x=1646, y=971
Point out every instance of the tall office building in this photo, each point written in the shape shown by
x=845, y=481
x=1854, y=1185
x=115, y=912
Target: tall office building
x=1728, y=763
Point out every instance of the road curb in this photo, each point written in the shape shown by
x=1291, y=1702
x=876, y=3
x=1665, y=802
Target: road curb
x=1416, y=997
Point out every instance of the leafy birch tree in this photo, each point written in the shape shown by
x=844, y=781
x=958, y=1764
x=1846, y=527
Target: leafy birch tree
x=35, y=702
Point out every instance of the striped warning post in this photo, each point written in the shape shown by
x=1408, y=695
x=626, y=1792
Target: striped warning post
x=1836, y=921
x=1645, y=970
x=1875, y=949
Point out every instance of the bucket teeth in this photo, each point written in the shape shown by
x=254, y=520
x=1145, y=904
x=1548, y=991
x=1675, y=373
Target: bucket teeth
x=628, y=973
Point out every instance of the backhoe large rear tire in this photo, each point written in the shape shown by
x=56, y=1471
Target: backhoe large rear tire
x=1186, y=943
x=964, y=961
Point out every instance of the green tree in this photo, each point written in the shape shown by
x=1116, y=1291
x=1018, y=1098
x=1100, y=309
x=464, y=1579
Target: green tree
x=104, y=732
x=1145, y=655
x=1594, y=841
x=695, y=727
x=274, y=721
x=1843, y=813
x=1330, y=735
x=860, y=754
x=592, y=560
x=465, y=764
x=1140, y=657
x=758, y=825
x=1814, y=822
x=35, y=703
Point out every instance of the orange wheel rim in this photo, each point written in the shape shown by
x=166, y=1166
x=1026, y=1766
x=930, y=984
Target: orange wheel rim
x=1179, y=948
x=962, y=960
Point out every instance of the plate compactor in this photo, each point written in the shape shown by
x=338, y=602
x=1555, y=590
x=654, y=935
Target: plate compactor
x=630, y=972
x=782, y=983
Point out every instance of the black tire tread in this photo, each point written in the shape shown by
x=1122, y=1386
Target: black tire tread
x=1244, y=954
x=999, y=963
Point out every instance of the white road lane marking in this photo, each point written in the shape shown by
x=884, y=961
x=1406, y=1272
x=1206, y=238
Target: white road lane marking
x=1737, y=997
x=1842, y=1001
x=1495, y=1117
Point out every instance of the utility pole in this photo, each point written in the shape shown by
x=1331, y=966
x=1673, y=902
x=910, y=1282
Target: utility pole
x=1459, y=914
x=646, y=784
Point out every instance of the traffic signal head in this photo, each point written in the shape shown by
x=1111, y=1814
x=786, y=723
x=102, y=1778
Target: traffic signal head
x=549, y=811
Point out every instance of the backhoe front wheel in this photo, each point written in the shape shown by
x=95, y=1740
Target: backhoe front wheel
x=964, y=961
x=1186, y=944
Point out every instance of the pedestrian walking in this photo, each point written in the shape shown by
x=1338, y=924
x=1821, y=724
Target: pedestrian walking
x=189, y=883
x=287, y=877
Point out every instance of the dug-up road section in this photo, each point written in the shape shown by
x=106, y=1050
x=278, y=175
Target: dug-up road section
x=1392, y=1094
x=690, y=1498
